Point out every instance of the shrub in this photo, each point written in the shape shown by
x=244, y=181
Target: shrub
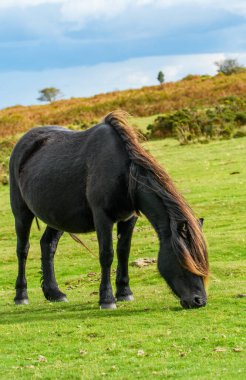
x=201, y=125
x=6, y=147
x=240, y=117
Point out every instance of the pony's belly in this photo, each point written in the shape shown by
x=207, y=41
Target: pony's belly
x=71, y=214
x=58, y=202
x=80, y=223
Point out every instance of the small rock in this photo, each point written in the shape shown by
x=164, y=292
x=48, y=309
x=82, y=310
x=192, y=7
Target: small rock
x=91, y=274
x=42, y=359
x=70, y=287
x=220, y=349
x=143, y=262
x=141, y=353
x=237, y=349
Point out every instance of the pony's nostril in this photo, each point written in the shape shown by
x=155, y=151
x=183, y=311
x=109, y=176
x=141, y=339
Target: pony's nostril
x=198, y=300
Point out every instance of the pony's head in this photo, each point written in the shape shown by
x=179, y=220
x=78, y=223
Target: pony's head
x=182, y=262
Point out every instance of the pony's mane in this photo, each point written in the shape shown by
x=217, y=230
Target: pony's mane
x=194, y=256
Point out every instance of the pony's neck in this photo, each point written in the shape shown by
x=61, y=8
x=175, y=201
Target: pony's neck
x=154, y=209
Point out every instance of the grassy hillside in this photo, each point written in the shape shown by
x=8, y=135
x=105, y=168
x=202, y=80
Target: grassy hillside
x=151, y=337
x=194, y=91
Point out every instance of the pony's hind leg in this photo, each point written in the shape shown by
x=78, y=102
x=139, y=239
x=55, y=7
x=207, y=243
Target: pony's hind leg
x=48, y=244
x=124, y=234
x=23, y=224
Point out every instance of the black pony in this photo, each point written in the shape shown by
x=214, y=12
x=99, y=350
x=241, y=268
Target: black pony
x=87, y=181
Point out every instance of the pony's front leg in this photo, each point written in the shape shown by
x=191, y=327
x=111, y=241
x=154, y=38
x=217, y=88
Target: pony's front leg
x=104, y=227
x=124, y=234
x=48, y=244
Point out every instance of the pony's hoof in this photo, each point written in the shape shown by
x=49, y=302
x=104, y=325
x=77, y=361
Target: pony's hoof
x=55, y=295
x=129, y=297
x=61, y=299
x=109, y=306
x=21, y=302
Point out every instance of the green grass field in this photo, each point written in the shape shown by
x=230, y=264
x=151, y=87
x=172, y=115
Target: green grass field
x=151, y=337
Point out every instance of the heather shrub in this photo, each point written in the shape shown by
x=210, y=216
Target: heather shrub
x=6, y=147
x=240, y=118
x=201, y=125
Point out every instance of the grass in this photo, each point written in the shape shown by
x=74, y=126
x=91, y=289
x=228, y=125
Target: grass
x=141, y=123
x=151, y=337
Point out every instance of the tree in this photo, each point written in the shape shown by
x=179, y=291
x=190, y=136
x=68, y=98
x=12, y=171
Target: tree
x=161, y=77
x=229, y=66
x=49, y=94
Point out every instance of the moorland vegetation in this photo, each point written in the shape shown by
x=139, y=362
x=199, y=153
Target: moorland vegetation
x=198, y=108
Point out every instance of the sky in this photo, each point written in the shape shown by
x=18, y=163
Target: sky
x=88, y=47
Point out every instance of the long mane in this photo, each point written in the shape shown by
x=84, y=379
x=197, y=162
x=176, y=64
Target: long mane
x=193, y=252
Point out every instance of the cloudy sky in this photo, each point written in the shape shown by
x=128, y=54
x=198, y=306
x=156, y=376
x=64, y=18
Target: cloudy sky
x=84, y=47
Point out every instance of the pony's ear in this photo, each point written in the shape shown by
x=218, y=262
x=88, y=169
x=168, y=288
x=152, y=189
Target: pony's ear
x=182, y=228
x=201, y=220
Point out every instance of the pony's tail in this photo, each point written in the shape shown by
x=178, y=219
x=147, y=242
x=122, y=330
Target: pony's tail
x=78, y=240
x=37, y=223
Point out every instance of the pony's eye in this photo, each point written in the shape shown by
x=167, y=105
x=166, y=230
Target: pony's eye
x=183, y=234
x=183, y=230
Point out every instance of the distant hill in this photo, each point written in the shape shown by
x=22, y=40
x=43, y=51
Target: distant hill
x=192, y=91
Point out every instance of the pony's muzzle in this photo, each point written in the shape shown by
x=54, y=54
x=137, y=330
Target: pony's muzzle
x=193, y=302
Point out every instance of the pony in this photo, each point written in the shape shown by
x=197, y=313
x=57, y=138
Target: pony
x=83, y=181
